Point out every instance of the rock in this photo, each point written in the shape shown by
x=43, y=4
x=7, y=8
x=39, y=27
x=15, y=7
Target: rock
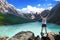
x=51, y=35
x=13, y=39
x=37, y=38
x=57, y=37
x=23, y=36
x=3, y=38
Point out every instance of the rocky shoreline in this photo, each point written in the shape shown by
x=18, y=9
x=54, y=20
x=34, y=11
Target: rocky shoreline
x=28, y=35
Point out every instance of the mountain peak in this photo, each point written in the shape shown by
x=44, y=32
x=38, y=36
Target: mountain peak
x=2, y=2
x=5, y=7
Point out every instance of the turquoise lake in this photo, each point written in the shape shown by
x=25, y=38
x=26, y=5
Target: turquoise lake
x=11, y=30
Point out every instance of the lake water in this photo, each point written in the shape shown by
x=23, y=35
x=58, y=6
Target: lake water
x=11, y=30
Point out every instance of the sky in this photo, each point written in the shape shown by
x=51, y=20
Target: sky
x=33, y=5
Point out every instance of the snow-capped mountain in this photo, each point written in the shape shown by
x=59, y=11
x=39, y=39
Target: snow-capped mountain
x=5, y=7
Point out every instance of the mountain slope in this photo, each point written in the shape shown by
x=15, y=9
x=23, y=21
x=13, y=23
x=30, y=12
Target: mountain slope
x=10, y=15
x=55, y=14
x=11, y=19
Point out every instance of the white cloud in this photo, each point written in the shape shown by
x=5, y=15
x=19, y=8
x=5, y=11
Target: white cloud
x=18, y=9
x=49, y=4
x=56, y=0
x=33, y=9
x=39, y=5
x=49, y=8
x=30, y=8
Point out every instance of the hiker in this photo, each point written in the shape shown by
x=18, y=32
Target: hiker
x=59, y=33
x=44, y=20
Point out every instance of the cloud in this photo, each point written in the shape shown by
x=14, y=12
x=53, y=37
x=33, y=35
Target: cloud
x=56, y=0
x=49, y=4
x=49, y=8
x=39, y=5
x=29, y=8
x=18, y=9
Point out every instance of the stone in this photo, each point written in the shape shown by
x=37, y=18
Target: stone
x=51, y=35
x=24, y=35
x=4, y=38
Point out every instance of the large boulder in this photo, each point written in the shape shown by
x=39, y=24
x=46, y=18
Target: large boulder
x=23, y=36
x=51, y=35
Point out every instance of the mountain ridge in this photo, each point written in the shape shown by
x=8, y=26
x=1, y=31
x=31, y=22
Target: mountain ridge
x=10, y=15
x=55, y=14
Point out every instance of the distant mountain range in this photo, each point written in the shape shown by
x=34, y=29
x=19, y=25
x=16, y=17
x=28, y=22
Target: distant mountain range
x=10, y=15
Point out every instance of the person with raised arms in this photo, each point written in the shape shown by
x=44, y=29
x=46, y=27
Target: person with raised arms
x=44, y=24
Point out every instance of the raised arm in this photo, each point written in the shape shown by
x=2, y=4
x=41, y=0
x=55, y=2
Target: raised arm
x=47, y=15
x=41, y=16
